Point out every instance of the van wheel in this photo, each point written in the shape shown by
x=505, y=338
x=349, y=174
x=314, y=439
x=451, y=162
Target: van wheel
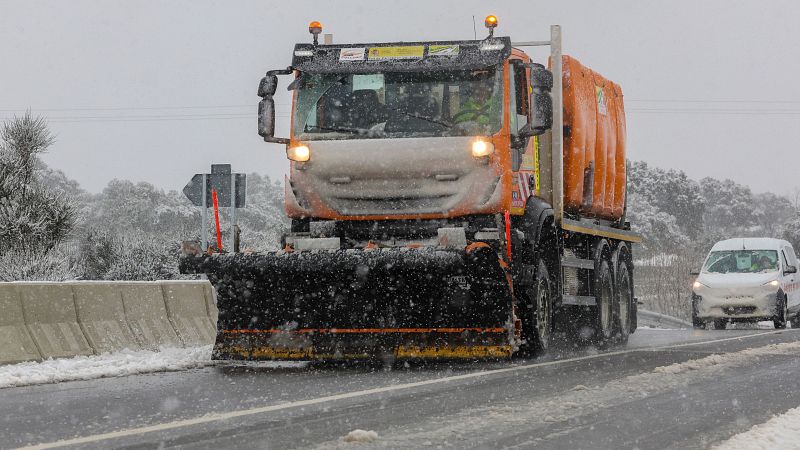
x=783, y=313
x=719, y=324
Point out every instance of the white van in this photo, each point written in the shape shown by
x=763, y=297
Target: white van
x=747, y=280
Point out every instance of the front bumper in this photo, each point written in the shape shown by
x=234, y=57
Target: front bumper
x=740, y=305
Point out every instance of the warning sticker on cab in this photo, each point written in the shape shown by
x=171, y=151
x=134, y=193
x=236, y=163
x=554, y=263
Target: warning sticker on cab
x=601, y=100
x=443, y=50
x=403, y=52
x=352, y=54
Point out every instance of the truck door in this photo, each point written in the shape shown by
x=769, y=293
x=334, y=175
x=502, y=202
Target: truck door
x=523, y=151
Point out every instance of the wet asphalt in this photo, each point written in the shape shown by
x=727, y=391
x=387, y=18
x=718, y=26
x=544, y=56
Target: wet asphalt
x=301, y=405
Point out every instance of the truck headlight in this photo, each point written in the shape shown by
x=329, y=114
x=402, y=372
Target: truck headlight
x=481, y=148
x=299, y=153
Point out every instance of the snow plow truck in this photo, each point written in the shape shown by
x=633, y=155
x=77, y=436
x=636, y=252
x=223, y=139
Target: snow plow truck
x=448, y=199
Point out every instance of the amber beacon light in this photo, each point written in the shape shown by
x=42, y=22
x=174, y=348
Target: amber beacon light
x=315, y=28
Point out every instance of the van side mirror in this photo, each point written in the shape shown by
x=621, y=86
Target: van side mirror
x=541, y=101
x=790, y=269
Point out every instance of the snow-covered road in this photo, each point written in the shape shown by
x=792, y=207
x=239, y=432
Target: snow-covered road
x=667, y=389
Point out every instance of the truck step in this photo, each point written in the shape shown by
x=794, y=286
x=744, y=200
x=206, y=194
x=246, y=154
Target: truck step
x=571, y=261
x=578, y=300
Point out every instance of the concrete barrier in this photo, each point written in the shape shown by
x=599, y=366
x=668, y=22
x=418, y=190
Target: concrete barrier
x=101, y=316
x=188, y=310
x=49, y=311
x=55, y=320
x=16, y=344
x=147, y=315
x=211, y=304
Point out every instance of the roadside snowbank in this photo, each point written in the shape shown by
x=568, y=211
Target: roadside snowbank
x=779, y=432
x=125, y=362
x=360, y=436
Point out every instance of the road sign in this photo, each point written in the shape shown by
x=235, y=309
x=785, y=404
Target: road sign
x=224, y=185
x=220, y=180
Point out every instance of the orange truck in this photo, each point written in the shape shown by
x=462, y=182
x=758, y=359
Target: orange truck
x=448, y=199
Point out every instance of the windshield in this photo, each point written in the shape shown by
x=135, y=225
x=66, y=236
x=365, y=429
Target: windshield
x=742, y=261
x=398, y=104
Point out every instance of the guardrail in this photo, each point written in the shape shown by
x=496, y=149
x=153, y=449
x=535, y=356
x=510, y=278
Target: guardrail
x=654, y=319
x=40, y=320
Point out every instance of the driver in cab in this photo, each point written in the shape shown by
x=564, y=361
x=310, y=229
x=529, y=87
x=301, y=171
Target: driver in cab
x=479, y=111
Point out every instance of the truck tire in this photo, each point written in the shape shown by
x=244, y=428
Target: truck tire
x=623, y=306
x=782, y=314
x=796, y=321
x=604, y=311
x=697, y=323
x=542, y=311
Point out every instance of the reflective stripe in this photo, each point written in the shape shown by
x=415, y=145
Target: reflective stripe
x=372, y=330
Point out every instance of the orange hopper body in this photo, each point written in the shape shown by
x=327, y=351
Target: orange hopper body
x=594, y=143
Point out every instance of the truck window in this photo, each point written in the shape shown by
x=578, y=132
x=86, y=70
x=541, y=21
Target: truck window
x=398, y=104
x=522, y=95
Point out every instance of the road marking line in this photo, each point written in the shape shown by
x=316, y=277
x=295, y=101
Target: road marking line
x=264, y=409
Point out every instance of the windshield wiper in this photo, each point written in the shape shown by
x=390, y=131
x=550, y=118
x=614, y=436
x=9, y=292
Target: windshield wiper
x=343, y=129
x=425, y=118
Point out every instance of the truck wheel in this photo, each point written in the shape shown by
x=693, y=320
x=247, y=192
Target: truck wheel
x=719, y=324
x=604, y=294
x=698, y=323
x=783, y=313
x=624, y=302
x=542, y=314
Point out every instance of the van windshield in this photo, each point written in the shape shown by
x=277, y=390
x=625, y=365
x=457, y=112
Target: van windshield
x=742, y=261
x=398, y=104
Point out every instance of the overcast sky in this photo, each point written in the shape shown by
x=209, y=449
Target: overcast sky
x=157, y=91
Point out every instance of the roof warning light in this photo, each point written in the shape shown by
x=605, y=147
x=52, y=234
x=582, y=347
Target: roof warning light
x=490, y=23
x=315, y=28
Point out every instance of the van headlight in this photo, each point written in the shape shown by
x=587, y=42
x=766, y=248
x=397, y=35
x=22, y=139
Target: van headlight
x=773, y=283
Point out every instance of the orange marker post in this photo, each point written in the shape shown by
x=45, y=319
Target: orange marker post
x=216, y=217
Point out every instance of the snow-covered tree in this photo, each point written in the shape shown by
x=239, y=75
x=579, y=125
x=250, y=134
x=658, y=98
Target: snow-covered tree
x=34, y=219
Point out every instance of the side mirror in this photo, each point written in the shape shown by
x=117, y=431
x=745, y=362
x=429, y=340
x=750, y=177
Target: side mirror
x=266, y=121
x=541, y=102
x=266, y=107
x=268, y=86
x=790, y=269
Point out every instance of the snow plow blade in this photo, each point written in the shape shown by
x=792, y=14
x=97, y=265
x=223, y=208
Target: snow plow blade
x=360, y=304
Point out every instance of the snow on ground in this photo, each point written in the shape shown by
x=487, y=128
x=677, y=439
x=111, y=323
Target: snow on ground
x=360, y=436
x=779, y=432
x=458, y=429
x=125, y=362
